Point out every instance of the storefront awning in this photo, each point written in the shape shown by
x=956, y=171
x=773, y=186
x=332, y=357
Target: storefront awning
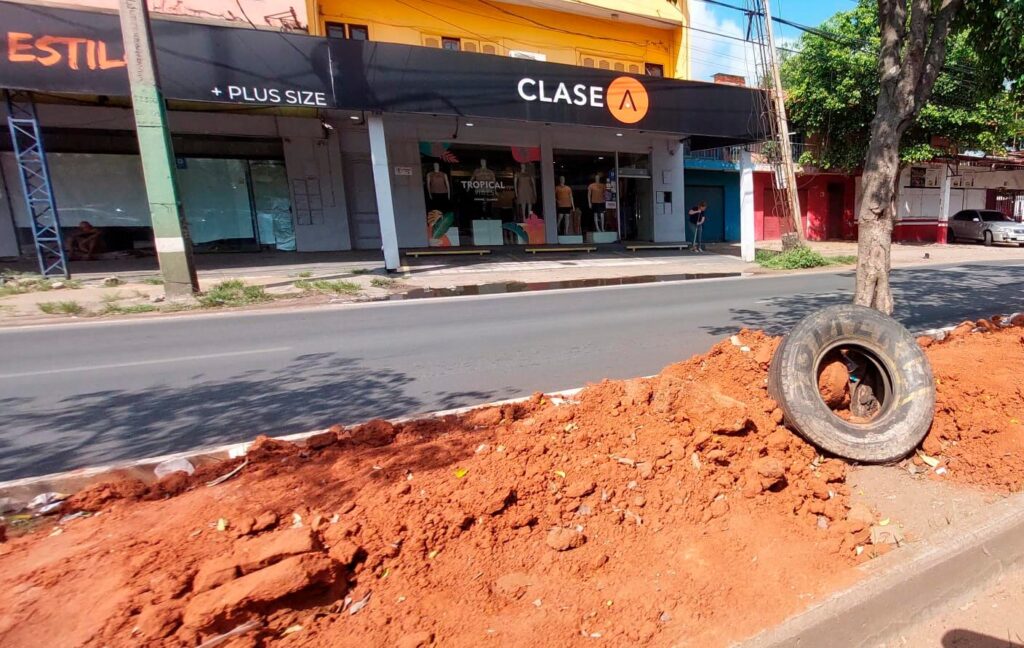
x=48, y=49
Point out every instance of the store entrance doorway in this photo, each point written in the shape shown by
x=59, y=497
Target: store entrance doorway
x=635, y=207
x=714, y=224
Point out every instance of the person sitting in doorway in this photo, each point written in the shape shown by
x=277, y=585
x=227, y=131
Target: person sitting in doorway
x=84, y=242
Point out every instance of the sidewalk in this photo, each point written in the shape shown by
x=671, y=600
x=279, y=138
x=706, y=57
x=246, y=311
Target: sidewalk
x=907, y=254
x=360, y=276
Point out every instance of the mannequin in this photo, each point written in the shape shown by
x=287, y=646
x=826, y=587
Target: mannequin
x=564, y=206
x=485, y=189
x=526, y=191
x=595, y=196
x=439, y=188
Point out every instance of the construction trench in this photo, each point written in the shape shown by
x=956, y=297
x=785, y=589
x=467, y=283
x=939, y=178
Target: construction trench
x=674, y=510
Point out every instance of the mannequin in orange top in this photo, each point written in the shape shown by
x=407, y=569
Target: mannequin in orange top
x=564, y=204
x=595, y=195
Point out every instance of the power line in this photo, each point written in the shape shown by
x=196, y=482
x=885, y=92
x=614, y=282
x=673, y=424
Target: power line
x=821, y=33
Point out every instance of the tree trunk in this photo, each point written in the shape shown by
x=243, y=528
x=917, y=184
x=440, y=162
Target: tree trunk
x=877, y=209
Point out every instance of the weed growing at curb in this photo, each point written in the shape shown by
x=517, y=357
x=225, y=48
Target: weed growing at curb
x=362, y=271
x=153, y=281
x=233, y=292
x=118, y=309
x=798, y=258
x=61, y=308
x=382, y=282
x=337, y=287
x=306, y=274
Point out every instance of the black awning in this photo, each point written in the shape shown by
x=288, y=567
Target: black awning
x=68, y=51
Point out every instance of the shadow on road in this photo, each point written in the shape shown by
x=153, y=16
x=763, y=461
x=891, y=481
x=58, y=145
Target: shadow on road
x=925, y=298
x=960, y=638
x=310, y=392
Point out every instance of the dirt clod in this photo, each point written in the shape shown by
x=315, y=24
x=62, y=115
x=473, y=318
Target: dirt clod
x=834, y=384
x=563, y=539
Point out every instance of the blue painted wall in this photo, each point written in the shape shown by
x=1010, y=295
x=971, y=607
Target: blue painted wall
x=729, y=183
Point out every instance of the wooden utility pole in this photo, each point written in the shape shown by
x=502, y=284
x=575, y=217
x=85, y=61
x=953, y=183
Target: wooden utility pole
x=170, y=229
x=778, y=116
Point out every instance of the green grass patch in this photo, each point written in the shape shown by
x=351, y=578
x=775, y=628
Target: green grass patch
x=131, y=309
x=305, y=274
x=337, y=287
x=61, y=308
x=798, y=259
x=382, y=282
x=233, y=293
x=153, y=281
x=362, y=271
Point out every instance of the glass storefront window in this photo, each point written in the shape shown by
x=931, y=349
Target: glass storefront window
x=588, y=208
x=234, y=204
x=481, y=195
x=214, y=194
x=272, y=203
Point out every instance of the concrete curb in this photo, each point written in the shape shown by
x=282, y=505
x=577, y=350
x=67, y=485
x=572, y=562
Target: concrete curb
x=21, y=491
x=903, y=586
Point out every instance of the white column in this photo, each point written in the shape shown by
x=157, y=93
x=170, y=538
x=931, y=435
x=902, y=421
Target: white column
x=382, y=184
x=746, y=207
x=547, y=187
x=941, y=227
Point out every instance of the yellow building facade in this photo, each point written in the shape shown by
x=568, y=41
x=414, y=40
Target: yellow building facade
x=632, y=36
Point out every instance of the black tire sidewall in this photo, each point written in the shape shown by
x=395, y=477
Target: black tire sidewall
x=911, y=406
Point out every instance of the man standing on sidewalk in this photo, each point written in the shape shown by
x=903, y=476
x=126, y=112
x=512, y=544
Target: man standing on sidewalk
x=697, y=217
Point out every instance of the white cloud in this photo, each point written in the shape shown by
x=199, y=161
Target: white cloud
x=715, y=53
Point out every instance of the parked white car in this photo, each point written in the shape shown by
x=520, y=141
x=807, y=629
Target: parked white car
x=986, y=225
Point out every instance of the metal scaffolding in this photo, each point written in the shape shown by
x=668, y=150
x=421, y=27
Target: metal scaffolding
x=759, y=31
x=35, y=184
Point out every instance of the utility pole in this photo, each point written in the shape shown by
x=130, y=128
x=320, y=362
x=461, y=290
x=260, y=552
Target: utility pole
x=170, y=229
x=786, y=175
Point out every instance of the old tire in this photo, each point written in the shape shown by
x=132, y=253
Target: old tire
x=882, y=345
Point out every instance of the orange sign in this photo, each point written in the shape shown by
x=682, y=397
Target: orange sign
x=627, y=100
x=72, y=52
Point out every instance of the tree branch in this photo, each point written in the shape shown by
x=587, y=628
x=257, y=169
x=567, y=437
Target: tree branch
x=936, y=53
x=892, y=28
x=913, y=56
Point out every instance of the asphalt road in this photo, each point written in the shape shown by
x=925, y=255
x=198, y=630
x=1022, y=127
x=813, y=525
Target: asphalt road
x=84, y=394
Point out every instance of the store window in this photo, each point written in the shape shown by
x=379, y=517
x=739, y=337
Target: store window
x=348, y=31
x=229, y=203
x=586, y=197
x=453, y=44
x=234, y=204
x=654, y=69
x=481, y=195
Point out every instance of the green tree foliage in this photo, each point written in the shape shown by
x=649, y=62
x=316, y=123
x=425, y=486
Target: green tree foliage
x=832, y=89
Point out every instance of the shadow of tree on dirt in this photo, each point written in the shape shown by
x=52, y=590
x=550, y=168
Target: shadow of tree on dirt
x=312, y=391
x=925, y=298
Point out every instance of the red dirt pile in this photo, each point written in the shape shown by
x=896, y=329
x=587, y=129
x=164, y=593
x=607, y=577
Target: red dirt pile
x=979, y=415
x=643, y=512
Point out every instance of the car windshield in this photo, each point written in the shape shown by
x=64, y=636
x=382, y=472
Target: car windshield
x=991, y=216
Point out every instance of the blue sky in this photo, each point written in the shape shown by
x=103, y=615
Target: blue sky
x=711, y=54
